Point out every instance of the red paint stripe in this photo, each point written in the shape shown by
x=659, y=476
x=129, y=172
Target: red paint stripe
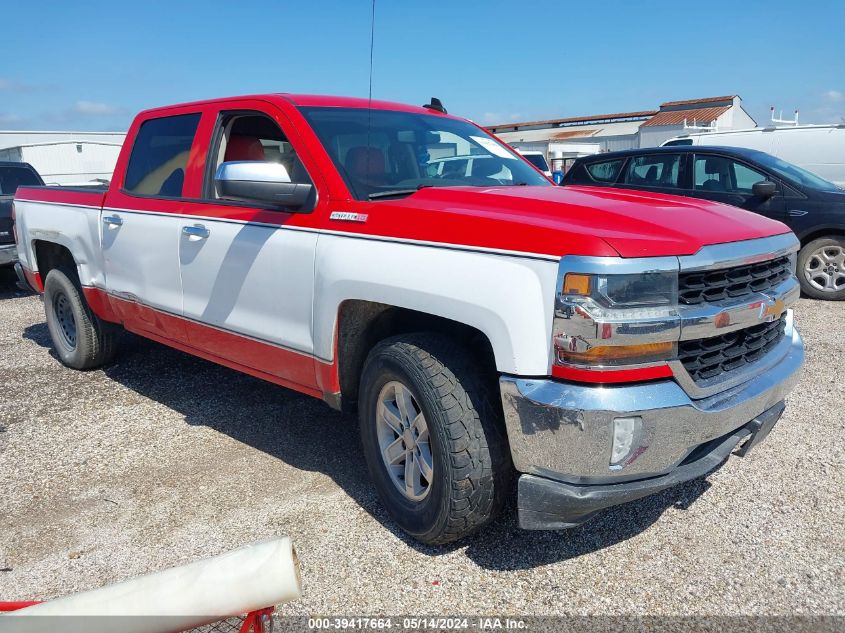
x=597, y=376
x=99, y=303
x=14, y=606
x=61, y=195
x=33, y=278
x=294, y=370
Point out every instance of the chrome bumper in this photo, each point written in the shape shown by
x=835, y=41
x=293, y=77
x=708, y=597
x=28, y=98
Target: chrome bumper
x=563, y=431
x=8, y=254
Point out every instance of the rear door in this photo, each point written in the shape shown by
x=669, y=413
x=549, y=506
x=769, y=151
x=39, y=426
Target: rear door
x=140, y=227
x=248, y=273
x=729, y=180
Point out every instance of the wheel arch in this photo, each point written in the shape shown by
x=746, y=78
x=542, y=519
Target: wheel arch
x=825, y=231
x=362, y=324
x=49, y=255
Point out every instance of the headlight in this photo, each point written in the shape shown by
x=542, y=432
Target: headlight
x=648, y=289
x=614, y=321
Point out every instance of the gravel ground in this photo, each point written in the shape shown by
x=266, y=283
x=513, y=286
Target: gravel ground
x=162, y=458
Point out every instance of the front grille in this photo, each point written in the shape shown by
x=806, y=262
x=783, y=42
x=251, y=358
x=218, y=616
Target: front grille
x=728, y=283
x=708, y=357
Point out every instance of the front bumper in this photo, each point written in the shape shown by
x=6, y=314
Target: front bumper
x=560, y=434
x=545, y=504
x=8, y=254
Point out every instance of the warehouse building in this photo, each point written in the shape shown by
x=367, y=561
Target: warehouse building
x=64, y=158
x=563, y=140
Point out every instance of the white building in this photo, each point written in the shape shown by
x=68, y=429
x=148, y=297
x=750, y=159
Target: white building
x=675, y=117
x=565, y=139
x=64, y=158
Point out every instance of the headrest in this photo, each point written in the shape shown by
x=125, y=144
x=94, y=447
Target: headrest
x=363, y=161
x=242, y=147
x=714, y=165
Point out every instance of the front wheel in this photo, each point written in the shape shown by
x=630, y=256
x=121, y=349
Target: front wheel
x=432, y=437
x=821, y=268
x=81, y=340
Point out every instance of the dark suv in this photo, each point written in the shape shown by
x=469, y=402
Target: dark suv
x=811, y=206
x=12, y=176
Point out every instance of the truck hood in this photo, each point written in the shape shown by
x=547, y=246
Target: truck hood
x=578, y=220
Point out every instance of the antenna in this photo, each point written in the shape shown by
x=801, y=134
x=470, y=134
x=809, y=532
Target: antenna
x=370, y=90
x=372, y=41
x=780, y=118
x=436, y=105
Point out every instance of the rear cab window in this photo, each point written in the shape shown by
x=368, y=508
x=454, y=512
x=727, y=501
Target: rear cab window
x=160, y=156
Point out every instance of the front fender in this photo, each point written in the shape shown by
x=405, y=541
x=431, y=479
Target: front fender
x=510, y=299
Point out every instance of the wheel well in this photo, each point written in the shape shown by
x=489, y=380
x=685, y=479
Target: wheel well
x=821, y=233
x=362, y=324
x=49, y=255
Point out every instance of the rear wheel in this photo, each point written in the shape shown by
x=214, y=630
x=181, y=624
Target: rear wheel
x=432, y=437
x=80, y=338
x=821, y=268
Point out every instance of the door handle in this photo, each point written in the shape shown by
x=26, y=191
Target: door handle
x=195, y=232
x=797, y=213
x=112, y=221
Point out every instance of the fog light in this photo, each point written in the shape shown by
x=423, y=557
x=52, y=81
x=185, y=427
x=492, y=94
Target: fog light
x=625, y=433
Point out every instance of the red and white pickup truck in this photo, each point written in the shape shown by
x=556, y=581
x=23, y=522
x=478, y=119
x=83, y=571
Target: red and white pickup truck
x=604, y=344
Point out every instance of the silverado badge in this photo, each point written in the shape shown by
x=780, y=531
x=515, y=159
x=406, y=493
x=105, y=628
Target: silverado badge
x=348, y=216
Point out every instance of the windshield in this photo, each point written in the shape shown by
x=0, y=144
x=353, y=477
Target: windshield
x=794, y=173
x=13, y=177
x=385, y=153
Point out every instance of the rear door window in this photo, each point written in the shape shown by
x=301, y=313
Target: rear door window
x=606, y=171
x=160, y=155
x=655, y=171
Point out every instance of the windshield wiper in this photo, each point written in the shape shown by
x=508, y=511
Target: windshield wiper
x=395, y=192
x=392, y=193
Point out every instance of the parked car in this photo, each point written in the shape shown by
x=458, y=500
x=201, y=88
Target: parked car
x=817, y=148
x=811, y=206
x=474, y=327
x=538, y=159
x=12, y=175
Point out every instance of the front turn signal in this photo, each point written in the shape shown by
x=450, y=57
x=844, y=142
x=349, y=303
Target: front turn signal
x=618, y=354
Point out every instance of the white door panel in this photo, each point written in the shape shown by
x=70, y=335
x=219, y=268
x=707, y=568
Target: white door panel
x=249, y=279
x=140, y=257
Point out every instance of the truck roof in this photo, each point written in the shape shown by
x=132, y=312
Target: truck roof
x=306, y=100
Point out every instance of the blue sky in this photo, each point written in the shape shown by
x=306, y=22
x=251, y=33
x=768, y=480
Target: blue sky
x=92, y=65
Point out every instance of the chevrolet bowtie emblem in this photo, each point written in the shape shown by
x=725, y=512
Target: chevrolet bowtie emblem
x=771, y=310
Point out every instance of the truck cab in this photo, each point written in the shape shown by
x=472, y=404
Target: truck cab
x=484, y=325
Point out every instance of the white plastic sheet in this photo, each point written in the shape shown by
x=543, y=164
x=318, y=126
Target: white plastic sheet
x=247, y=579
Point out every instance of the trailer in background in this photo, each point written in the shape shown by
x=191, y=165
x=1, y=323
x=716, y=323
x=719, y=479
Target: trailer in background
x=73, y=162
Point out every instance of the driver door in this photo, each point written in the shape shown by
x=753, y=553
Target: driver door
x=725, y=179
x=247, y=278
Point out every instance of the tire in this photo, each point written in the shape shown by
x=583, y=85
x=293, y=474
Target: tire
x=80, y=338
x=821, y=268
x=470, y=469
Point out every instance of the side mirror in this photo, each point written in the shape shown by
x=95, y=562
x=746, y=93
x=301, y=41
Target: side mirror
x=260, y=181
x=764, y=189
